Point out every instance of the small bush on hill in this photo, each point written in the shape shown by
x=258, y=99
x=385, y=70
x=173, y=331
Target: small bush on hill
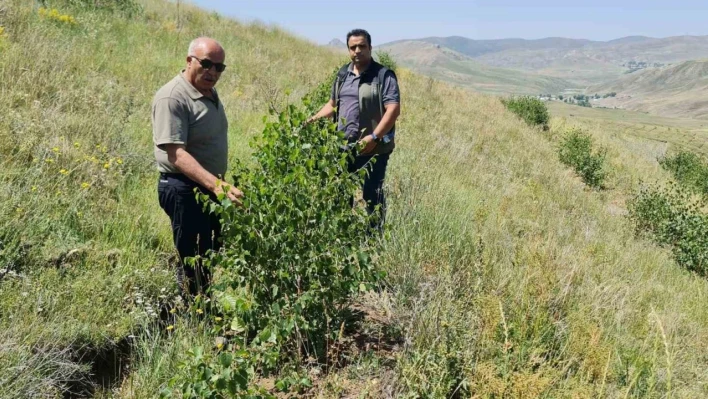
x=386, y=59
x=689, y=169
x=672, y=217
x=576, y=150
x=530, y=109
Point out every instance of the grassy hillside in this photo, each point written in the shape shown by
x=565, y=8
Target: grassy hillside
x=671, y=134
x=456, y=68
x=507, y=277
x=675, y=91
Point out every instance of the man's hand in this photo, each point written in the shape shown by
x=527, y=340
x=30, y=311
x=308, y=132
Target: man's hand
x=368, y=143
x=231, y=192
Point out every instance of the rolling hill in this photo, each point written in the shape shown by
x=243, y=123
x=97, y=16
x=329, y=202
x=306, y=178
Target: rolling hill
x=655, y=75
x=676, y=91
x=443, y=63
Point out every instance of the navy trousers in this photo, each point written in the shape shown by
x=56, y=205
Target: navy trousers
x=194, y=231
x=373, y=185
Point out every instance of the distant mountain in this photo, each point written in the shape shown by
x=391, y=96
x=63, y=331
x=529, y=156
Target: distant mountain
x=584, y=62
x=677, y=91
x=446, y=64
x=477, y=48
x=337, y=44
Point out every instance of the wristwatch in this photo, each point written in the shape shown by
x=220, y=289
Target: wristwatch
x=373, y=136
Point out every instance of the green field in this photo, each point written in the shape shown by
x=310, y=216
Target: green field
x=506, y=275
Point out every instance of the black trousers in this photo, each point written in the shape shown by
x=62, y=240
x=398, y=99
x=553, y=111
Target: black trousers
x=372, y=189
x=194, y=231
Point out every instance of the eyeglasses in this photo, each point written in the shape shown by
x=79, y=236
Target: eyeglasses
x=207, y=64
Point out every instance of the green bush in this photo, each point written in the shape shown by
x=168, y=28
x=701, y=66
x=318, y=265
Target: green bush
x=293, y=255
x=672, y=217
x=689, y=169
x=386, y=59
x=576, y=151
x=530, y=109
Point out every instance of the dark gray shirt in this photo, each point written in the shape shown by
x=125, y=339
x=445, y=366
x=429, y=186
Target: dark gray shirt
x=349, y=102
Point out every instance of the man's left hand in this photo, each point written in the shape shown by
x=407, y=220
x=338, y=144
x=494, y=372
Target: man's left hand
x=368, y=143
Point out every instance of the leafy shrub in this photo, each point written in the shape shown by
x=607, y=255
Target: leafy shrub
x=202, y=375
x=386, y=59
x=530, y=109
x=672, y=217
x=293, y=256
x=689, y=169
x=576, y=150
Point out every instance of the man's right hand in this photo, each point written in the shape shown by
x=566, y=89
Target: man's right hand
x=232, y=193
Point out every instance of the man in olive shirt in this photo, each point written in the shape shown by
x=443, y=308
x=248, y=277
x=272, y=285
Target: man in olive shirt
x=190, y=137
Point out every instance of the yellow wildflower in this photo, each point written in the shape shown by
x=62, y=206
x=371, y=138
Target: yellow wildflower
x=85, y=185
x=76, y=144
x=199, y=311
x=170, y=327
x=34, y=188
x=64, y=172
x=20, y=210
x=48, y=160
x=106, y=165
x=173, y=310
x=119, y=161
x=218, y=318
x=219, y=345
x=58, y=192
x=55, y=149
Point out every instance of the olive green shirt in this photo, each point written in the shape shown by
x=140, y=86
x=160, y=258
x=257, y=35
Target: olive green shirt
x=182, y=115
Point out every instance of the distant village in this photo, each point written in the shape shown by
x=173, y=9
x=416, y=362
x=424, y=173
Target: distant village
x=581, y=100
x=633, y=66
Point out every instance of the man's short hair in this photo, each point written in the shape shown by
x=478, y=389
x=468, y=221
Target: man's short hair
x=194, y=44
x=359, y=32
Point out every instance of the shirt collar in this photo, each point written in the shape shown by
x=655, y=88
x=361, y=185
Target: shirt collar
x=194, y=94
x=351, y=68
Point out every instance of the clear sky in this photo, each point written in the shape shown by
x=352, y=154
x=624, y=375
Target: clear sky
x=322, y=20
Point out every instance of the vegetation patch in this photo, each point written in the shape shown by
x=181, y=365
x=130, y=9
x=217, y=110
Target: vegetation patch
x=673, y=217
x=576, y=150
x=532, y=110
x=689, y=169
x=294, y=256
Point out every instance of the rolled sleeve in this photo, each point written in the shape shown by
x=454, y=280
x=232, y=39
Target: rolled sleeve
x=170, y=122
x=391, y=94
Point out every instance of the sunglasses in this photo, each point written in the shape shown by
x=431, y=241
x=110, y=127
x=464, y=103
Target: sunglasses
x=207, y=64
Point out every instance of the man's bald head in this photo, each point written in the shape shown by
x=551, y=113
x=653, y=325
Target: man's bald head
x=204, y=45
x=200, y=50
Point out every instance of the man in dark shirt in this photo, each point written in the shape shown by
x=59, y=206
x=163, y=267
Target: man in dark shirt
x=366, y=103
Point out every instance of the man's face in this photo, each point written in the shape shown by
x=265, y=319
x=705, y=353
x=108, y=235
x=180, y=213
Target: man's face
x=359, y=49
x=205, y=79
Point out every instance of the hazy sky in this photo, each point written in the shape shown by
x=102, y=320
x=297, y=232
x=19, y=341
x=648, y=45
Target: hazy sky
x=321, y=21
